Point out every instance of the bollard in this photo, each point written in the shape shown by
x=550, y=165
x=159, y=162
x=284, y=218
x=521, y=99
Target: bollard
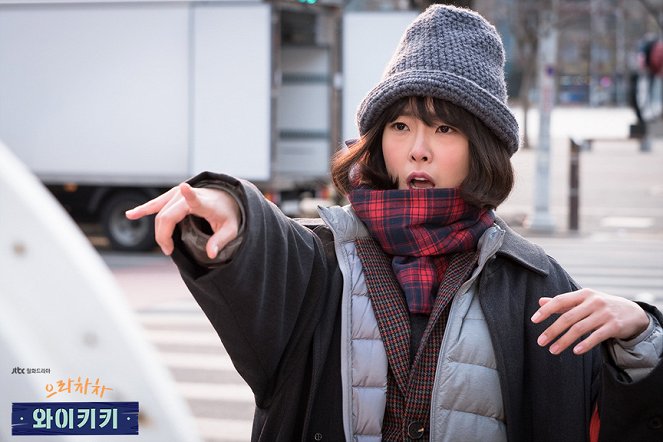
x=639, y=132
x=574, y=185
x=645, y=144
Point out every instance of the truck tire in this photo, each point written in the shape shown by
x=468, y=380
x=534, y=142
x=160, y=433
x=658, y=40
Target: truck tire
x=124, y=234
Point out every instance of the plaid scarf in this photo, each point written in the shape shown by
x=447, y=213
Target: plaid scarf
x=418, y=228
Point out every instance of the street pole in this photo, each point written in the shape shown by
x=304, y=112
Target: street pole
x=542, y=221
x=596, y=33
x=620, y=55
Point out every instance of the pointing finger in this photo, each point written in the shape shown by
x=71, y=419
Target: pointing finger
x=152, y=206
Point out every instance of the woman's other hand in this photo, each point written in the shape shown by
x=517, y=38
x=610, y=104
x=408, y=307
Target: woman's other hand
x=588, y=311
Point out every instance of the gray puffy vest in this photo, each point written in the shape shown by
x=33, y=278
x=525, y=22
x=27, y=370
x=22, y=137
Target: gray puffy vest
x=466, y=398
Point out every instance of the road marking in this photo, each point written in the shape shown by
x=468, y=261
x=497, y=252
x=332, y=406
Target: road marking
x=629, y=222
x=216, y=392
x=186, y=306
x=645, y=297
x=230, y=430
x=174, y=319
x=182, y=337
x=197, y=361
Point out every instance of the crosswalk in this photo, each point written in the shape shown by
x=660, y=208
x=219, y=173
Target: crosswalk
x=628, y=266
x=186, y=343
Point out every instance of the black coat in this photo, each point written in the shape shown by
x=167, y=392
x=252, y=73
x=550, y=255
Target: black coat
x=276, y=307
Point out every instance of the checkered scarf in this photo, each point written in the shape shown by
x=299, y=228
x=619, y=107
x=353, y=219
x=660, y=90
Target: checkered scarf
x=419, y=228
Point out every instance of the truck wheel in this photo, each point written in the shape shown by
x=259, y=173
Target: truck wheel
x=122, y=233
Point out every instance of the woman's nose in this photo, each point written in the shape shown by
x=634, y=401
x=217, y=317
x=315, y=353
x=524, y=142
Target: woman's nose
x=420, y=150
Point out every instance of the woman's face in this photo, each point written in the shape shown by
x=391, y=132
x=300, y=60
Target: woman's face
x=419, y=156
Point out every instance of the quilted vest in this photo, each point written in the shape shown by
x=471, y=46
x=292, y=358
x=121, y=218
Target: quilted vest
x=466, y=397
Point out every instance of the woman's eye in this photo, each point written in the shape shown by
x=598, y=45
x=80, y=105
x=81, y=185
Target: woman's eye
x=399, y=126
x=445, y=129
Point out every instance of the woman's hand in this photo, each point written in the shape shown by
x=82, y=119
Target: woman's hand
x=588, y=311
x=217, y=207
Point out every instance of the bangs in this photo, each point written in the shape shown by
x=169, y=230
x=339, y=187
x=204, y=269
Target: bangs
x=430, y=111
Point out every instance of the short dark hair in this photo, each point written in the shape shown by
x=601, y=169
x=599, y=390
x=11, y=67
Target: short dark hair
x=490, y=177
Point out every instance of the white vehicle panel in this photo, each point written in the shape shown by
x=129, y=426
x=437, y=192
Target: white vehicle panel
x=369, y=40
x=96, y=89
x=231, y=111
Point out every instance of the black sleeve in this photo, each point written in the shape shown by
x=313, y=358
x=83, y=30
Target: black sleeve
x=266, y=302
x=632, y=411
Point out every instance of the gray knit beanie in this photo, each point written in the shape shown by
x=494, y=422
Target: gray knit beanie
x=452, y=54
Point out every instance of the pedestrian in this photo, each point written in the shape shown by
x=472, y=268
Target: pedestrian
x=414, y=312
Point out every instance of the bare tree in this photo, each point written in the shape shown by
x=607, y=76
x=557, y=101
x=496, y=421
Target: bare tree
x=655, y=9
x=524, y=26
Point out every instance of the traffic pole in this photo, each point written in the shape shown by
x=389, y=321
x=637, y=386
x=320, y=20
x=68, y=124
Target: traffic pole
x=542, y=220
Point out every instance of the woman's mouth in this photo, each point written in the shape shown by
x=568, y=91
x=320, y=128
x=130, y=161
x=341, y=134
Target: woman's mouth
x=420, y=181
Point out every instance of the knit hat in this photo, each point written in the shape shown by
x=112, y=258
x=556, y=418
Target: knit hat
x=452, y=54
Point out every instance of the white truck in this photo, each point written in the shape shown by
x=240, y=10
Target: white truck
x=111, y=102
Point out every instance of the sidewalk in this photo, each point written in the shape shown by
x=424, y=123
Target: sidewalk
x=618, y=247
x=621, y=188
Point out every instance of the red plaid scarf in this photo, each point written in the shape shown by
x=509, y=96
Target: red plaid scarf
x=419, y=228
